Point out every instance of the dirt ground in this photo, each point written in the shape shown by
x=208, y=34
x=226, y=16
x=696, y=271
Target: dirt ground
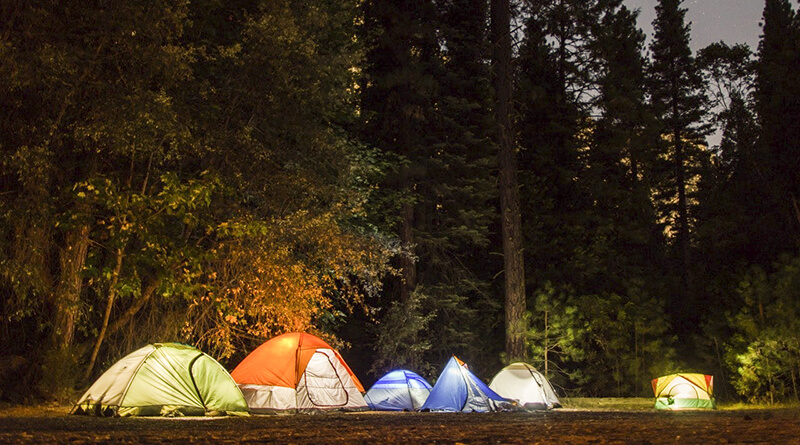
x=564, y=426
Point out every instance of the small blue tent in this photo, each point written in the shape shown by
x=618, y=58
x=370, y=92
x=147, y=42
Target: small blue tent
x=399, y=390
x=459, y=390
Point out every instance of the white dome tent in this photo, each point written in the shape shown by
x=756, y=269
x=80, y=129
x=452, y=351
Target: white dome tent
x=529, y=387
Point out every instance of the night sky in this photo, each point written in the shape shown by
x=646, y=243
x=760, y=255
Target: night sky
x=731, y=21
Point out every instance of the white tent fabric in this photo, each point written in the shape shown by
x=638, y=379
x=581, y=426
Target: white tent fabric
x=522, y=382
x=111, y=386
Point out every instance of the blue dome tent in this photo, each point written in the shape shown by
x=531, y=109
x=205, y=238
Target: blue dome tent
x=399, y=390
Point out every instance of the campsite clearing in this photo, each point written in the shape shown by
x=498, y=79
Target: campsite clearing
x=563, y=426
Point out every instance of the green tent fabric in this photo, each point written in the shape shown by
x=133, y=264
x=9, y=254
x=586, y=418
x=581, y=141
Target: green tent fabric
x=671, y=403
x=164, y=379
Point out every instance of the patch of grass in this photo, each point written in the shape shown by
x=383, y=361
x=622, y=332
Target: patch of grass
x=37, y=410
x=738, y=406
x=646, y=404
x=609, y=403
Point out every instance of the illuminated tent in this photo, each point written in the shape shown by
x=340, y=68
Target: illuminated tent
x=298, y=372
x=163, y=379
x=523, y=383
x=459, y=390
x=684, y=391
x=399, y=390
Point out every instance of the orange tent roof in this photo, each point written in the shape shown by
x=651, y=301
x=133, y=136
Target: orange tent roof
x=282, y=360
x=702, y=381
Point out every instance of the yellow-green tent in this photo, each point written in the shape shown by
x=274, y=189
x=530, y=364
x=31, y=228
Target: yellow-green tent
x=164, y=379
x=684, y=391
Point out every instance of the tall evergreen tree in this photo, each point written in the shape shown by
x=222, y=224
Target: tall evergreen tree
x=621, y=157
x=592, y=240
x=426, y=104
x=627, y=247
x=729, y=232
x=678, y=100
x=548, y=118
x=398, y=97
x=510, y=217
x=554, y=68
x=778, y=107
x=462, y=208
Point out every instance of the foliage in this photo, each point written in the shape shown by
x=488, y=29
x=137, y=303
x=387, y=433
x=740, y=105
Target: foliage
x=601, y=345
x=679, y=103
x=265, y=278
x=764, y=352
x=426, y=106
x=164, y=168
x=399, y=343
x=221, y=172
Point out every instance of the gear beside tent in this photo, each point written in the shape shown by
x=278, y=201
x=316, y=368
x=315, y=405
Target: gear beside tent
x=163, y=379
x=399, y=390
x=684, y=391
x=298, y=372
x=459, y=390
x=529, y=387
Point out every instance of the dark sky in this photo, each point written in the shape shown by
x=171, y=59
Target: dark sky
x=731, y=21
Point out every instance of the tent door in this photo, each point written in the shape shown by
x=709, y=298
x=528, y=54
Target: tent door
x=324, y=386
x=684, y=391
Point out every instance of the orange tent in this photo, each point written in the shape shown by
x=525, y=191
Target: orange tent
x=297, y=371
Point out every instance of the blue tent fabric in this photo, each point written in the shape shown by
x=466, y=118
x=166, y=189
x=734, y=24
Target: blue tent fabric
x=399, y=390
x=459, y=390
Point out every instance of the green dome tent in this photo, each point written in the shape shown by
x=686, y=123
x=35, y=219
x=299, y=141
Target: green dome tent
x=163, y=379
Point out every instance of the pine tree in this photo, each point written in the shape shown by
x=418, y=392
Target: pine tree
x=729, y=234
x=778, y=107
x=620, y=158
x=426, y=103
x=510, y=215
x=457, y=255
x=678, y=100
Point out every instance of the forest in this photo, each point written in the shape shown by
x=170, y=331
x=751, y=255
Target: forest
x=408, y=179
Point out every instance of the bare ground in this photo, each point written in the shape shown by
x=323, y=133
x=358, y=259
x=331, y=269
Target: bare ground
x=565, y=426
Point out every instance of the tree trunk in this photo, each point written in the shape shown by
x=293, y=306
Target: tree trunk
x=112, y=296
x=407, y=262
x=546, y=346
x=515, y=304
x=683, y=209
x=123, y=320
x=636, y=361
x=66, y=296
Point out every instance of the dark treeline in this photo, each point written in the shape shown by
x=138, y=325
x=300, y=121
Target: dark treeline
x=500, y=180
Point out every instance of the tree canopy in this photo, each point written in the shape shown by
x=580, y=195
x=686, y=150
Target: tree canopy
x=407, y=179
